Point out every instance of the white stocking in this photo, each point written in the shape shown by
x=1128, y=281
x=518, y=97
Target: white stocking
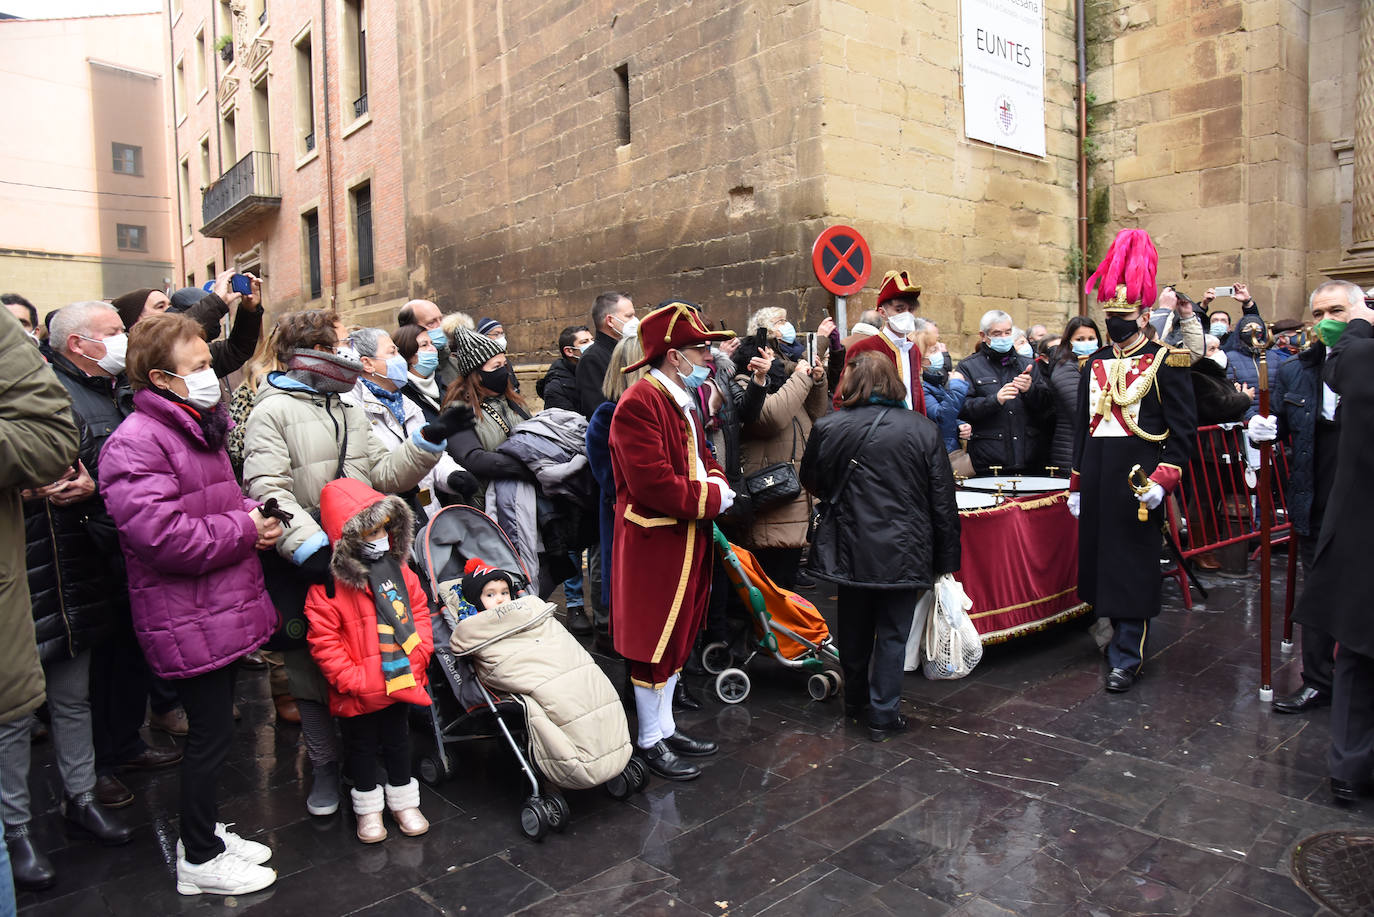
x=665, y=708
x=647, y=709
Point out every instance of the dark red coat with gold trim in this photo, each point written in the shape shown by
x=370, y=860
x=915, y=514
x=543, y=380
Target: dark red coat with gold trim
x=879, y=343
x=661, y=568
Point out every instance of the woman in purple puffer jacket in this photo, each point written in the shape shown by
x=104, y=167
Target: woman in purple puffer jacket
x=190, y=539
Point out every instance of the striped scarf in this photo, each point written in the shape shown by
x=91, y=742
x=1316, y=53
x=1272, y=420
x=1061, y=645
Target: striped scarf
x=396, y=634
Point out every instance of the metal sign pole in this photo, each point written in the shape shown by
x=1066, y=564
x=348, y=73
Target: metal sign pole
x=841, y=319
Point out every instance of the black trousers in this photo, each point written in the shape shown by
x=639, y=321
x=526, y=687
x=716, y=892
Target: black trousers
x=874, y=626
x=1127, y=649
x=1351, y=757
x=119, y=698
x=781, y=565
x=1318, y=647
x=385, y=731
x=208, y=700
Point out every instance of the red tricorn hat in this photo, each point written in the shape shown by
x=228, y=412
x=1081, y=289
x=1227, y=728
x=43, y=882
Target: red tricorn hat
x=1125, y=279
x=895, y=284
x=673, y=324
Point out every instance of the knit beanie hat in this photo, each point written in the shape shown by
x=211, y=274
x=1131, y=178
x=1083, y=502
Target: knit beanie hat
x=485, y=324
x=476, y=574
x=470, y=350
x=130, y=305
x=185, y=298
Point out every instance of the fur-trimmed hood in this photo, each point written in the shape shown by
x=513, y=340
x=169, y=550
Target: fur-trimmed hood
x=349, y=508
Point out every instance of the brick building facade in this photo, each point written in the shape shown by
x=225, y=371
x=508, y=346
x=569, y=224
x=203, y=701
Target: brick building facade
x=286, y=155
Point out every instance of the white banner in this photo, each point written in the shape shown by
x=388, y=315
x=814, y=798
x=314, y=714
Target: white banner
x=1003, y=44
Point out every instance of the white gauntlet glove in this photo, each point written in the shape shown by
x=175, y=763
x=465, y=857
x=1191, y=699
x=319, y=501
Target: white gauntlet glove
x=1263, y=429
x=1152, y=497
x=1074, y=499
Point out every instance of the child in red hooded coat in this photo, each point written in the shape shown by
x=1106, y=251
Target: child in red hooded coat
x=370, y=635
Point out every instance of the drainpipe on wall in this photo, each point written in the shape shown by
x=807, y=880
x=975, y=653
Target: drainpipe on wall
x=176, y=154
x=1082, y=157
x=329, y=159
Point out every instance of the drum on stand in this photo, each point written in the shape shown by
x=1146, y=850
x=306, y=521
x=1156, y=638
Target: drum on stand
x=1016, y=486
x=967, y=499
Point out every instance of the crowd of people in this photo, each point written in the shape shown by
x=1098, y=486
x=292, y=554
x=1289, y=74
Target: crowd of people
x=179, y=531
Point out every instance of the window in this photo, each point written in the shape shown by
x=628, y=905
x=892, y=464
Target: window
x=176, y=9
x=258, y=10
x=228, y=139
x=311, y=230
x=262, y=117
x=179, y=90
x=225, y=19
x=210, y=273
x=191, y=280
x=128, y=159
x=355, y=57
x=622, y=103
x=184, y=189
x=305, y=97
x=362, y=231
x=205, y=174
x=131, y=238
x=201, y=61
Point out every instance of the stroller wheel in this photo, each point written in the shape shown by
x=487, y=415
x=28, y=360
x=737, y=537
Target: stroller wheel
x=715, y=658
x=638, y=772
x=534, y=819
x=432, y=770
x=836, y=682
x=818, y=686
x=620, y=786
x=557, y=808
x=732, y=686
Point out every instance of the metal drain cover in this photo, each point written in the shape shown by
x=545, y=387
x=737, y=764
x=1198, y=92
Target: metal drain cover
x=1337, y=868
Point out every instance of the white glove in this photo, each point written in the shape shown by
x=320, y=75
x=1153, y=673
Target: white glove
x=1152, y=497
x=727, y=496
x=1074, y=499
x=1263, y=429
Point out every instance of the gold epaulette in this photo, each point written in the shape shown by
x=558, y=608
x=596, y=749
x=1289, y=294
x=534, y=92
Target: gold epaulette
x=1179, y=356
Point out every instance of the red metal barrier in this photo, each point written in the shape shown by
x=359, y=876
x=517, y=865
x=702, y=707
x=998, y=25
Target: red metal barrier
x=1217, y=506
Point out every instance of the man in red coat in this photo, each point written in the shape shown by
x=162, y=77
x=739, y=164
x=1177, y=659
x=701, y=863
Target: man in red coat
x=667, y=489
x=898, y=299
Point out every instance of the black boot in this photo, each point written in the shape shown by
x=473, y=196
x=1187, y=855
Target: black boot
x=82, y=811
x=32, y=869
x=578, y=625
x=689, y=747
x=683, y=699
x=662, y=761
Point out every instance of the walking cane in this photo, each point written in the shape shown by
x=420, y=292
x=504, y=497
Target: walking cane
x=1258, y=338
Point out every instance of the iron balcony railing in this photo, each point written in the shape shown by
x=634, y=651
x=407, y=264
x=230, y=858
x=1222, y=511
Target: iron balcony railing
x=360, y=106
x=244, y=194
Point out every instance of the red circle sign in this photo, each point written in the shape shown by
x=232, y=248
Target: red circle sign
x=841, y=260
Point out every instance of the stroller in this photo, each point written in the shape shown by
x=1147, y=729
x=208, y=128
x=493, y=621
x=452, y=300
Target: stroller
x=472, y=711
x=784, y=625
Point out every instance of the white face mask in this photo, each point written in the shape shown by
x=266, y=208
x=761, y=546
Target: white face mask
x=202, y=388
x=902, y=323
x=1219, y=358
x=629, y=326
x=500, y=339
x=376, y=548
x=116, y=347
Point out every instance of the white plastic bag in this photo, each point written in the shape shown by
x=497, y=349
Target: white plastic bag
x=951, y=646
x=918, y=630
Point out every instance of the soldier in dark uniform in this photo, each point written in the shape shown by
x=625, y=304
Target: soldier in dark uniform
x=1137, y=397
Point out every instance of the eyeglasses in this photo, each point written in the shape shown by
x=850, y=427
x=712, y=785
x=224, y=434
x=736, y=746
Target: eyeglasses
x=697, y=347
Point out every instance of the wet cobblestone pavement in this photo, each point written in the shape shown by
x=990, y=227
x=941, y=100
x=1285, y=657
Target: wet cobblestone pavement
x=1024, y=789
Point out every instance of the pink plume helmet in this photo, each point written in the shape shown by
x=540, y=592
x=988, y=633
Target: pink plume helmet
x=1126, y=277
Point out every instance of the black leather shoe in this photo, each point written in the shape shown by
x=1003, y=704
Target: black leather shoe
x=886, y=729
x=666, y=764
x=1307, y=698
x=604, y=644
x=804, y=581
x=84, y=812
x=1120, y=680
x=111, y=793
x=1341, y=791
x=32, y=869
x=690, y=747
x=684, y=699
x=578, y=625
x=152, y=758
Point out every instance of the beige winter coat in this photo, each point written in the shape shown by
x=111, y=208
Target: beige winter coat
x=578, y=731
x=768, y=441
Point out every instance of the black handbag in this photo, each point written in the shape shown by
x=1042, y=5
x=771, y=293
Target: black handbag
x=776, y=484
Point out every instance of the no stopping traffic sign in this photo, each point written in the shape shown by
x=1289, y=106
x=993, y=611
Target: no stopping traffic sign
x=841, y=260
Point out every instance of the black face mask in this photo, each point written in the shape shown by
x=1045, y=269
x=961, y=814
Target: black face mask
x=495, y=380
x=1122, y=330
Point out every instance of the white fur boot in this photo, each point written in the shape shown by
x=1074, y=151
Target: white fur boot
x=404, y=803
x=367, y=806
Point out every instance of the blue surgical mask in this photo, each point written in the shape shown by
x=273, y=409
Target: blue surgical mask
x=788, y=333
x=426, y=362
x=396, y=368
x=438, y=337
x=1025, y=351
x=696, y=377
x=1000, y=345
x=1084, y=348
x=936, y=360
x=583, y=348
x=1216, y=329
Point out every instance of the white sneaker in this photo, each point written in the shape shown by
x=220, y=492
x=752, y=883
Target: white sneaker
x=226, y=874
x=246, y=850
